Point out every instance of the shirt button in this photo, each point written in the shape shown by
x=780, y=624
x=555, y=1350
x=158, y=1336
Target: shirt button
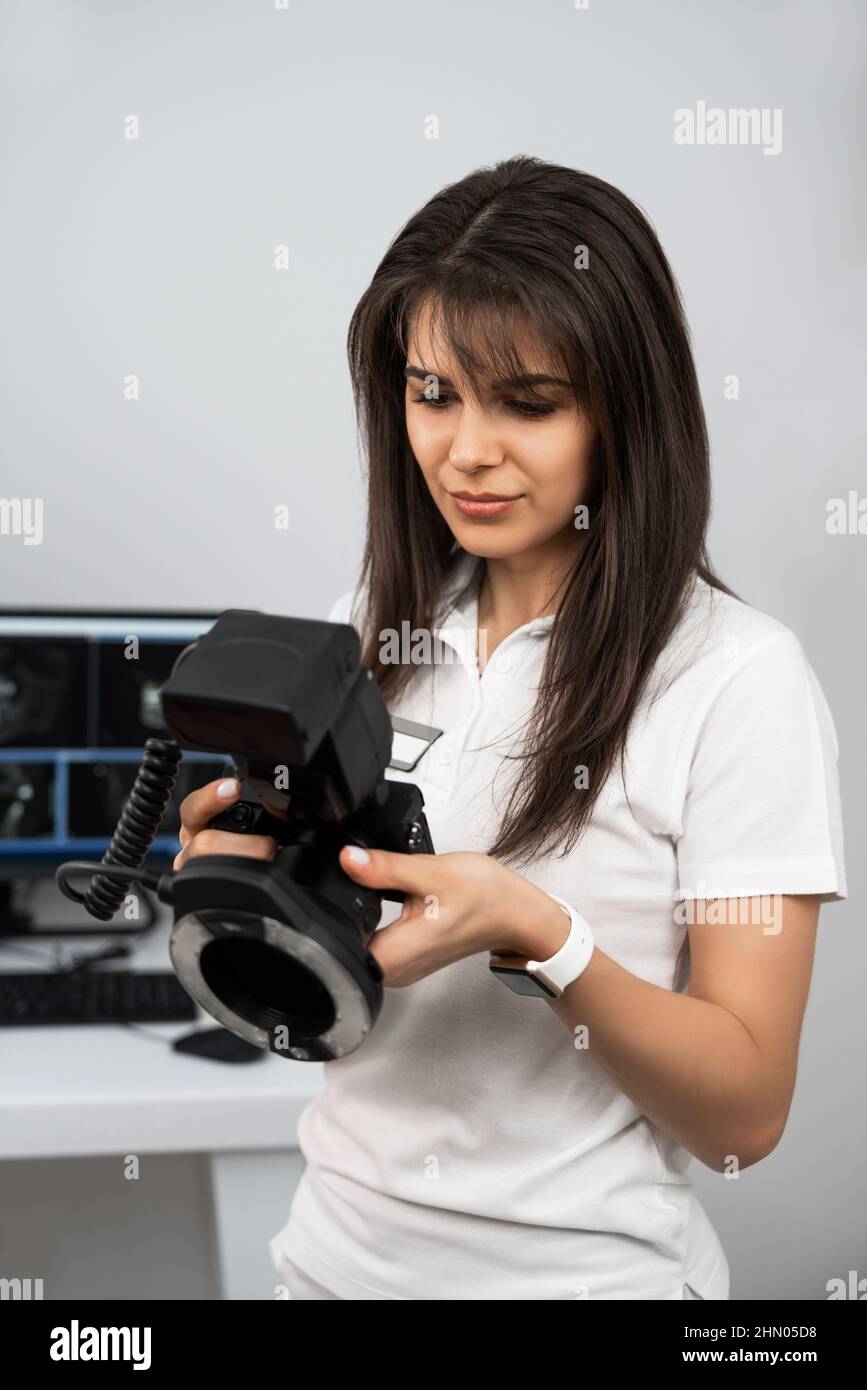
x=446, y=754
x=503, y=663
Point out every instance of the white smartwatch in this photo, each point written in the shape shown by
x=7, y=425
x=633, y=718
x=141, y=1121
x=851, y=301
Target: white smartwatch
x=548, y=979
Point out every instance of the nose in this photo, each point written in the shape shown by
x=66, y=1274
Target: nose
x=474, y=443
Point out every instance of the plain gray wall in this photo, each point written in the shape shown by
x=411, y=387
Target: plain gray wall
x=306, y=127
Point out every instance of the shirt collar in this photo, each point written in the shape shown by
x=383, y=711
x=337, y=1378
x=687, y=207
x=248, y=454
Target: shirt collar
x=459, y=622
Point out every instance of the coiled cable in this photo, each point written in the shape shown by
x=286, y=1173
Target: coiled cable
x=139, y=822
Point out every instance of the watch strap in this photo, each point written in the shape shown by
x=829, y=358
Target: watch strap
x=559, y=970
x=549, y=978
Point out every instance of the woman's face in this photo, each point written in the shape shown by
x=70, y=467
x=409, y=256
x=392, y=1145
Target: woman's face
x=538, y=452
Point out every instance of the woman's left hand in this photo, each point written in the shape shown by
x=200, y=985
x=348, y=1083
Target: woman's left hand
x=456, y=905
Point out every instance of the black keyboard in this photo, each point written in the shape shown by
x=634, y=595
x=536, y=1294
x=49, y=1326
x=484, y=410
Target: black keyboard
x=99, y=996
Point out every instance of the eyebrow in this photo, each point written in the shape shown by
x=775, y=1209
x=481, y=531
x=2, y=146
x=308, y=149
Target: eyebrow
x=515, y=383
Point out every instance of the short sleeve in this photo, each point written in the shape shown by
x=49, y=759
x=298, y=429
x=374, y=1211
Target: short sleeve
x=760, y=810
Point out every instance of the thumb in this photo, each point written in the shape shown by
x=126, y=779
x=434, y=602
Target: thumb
x=381, y=868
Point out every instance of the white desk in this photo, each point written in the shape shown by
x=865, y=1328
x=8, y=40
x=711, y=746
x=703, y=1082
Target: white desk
x=93, y=1090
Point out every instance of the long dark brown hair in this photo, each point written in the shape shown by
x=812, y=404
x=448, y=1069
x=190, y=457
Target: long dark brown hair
x=571, y=259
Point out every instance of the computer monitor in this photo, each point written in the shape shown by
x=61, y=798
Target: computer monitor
x=79, y=696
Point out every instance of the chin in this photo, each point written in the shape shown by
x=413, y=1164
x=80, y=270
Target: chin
x=491, y=547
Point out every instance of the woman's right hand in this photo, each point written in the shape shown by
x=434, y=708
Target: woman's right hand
x=202, y=806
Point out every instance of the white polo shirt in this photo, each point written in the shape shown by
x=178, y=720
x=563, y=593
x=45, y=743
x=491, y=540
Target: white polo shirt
x=468, y=1150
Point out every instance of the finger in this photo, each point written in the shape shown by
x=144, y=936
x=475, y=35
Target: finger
x=206, y=802
x=406, y=952
x=381, y=868
x=224, y=842
x=413, y=910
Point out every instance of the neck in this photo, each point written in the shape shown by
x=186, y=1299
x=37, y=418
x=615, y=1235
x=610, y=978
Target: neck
x=518, y=588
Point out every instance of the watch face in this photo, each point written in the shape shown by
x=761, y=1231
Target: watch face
x=522, y=982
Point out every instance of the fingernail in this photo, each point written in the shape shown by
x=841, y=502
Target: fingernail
x=357, y=854
x=229, y=788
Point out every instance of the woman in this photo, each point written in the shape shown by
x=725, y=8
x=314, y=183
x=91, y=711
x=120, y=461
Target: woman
x=633, y=799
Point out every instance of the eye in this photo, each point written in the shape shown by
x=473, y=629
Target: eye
x=527, y=410
x=530, y=410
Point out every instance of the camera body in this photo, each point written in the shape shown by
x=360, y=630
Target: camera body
x=277, y=951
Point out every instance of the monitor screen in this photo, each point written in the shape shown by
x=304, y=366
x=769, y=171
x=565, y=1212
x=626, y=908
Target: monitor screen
x=79, y=695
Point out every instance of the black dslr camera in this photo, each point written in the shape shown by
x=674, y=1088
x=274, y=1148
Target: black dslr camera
x=276, y=951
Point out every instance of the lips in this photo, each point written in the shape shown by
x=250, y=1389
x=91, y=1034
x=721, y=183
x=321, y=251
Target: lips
x=483, y=504
x=485, y=496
